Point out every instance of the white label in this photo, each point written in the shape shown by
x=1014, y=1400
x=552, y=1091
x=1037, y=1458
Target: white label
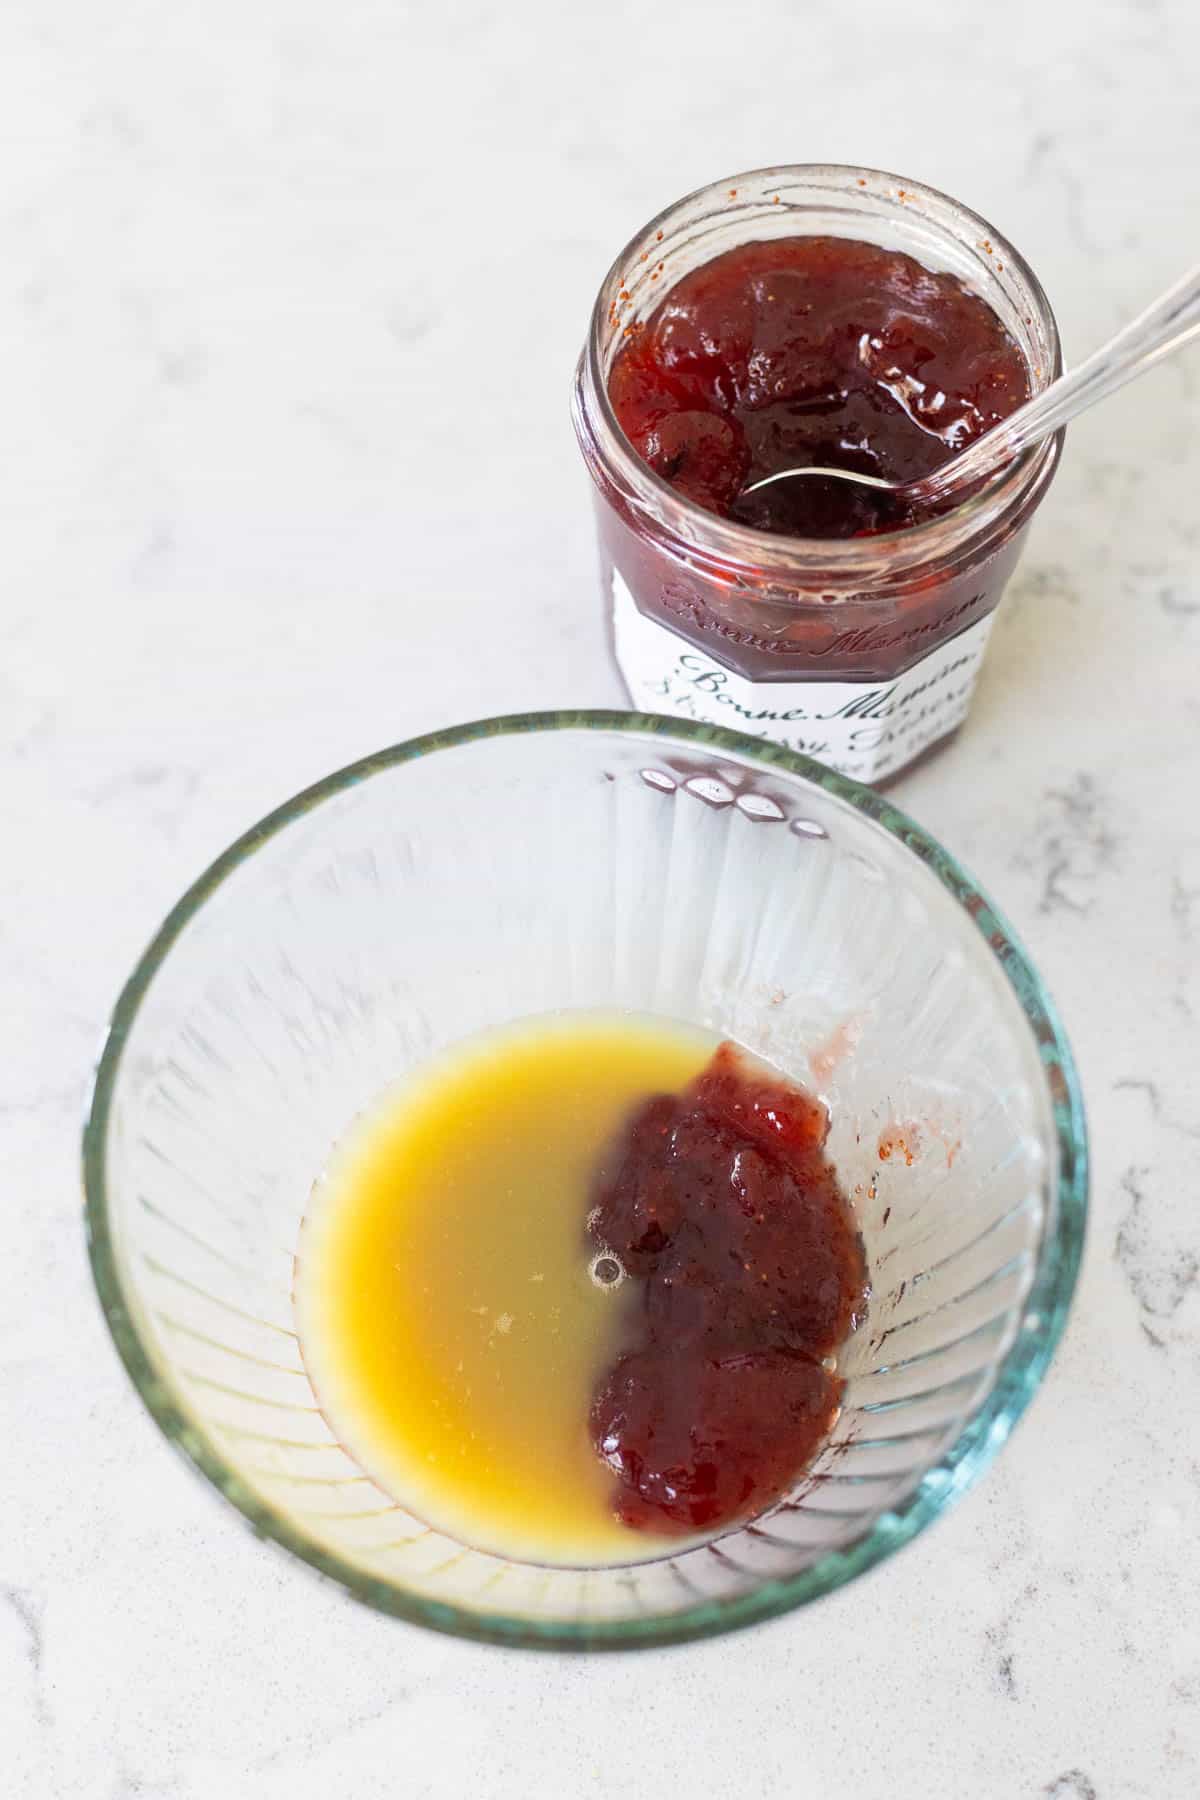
x=867, y=729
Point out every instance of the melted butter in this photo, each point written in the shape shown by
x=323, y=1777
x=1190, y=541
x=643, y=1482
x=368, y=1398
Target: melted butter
x=448, y=1318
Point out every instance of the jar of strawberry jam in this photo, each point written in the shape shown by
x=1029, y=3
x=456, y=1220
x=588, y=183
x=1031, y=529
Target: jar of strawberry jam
x=825, y=315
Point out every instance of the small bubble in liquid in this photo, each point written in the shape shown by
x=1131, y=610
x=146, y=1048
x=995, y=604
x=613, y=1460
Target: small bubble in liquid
x=606, y=1270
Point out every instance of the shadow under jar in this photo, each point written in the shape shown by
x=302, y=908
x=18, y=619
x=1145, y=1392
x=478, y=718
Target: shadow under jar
x=860, y=651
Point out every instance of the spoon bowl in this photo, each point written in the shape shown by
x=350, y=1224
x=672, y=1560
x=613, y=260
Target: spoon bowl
x=1164, y=327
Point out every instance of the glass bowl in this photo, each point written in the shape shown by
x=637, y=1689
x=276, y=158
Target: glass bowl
x=600, y=860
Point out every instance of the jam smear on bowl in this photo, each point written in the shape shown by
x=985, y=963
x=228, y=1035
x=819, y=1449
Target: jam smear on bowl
x=812, y=350
x=749, y=1274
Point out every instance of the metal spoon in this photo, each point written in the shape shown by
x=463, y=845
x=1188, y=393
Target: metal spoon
x=1155, y=333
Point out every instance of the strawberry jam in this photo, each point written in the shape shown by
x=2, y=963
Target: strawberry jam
x=812, y=350
x=748, y=1274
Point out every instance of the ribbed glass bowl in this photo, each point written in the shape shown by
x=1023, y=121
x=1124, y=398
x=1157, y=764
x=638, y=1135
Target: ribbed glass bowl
x=593, y=860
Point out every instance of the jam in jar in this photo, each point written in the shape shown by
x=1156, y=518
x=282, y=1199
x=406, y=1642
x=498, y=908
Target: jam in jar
x=809, y=315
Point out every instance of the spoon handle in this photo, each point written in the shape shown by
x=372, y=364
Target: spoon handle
x=1165, y=325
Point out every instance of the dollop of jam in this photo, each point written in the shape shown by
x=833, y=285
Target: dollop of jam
x=723, y=1209
x=812, y=350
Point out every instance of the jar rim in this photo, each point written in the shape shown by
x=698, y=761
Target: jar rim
x=617, y=466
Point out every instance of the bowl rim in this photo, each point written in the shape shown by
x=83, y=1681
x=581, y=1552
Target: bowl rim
x=1020, y=1372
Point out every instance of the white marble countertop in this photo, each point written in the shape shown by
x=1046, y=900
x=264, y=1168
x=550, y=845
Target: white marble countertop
x=268, y=504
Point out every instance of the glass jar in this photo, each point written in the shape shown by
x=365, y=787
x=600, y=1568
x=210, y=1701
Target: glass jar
x=864, y=651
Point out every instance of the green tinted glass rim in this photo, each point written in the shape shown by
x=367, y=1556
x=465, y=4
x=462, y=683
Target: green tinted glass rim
x=1044, y=1313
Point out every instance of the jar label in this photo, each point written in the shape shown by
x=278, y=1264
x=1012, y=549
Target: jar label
x=867, y=729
